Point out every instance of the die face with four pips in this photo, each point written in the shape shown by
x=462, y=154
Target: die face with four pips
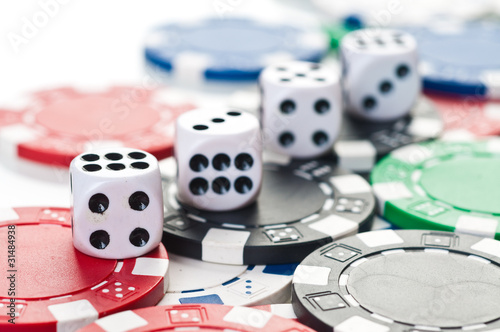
x=219, y=159
x=301, y=108
x=117, y=203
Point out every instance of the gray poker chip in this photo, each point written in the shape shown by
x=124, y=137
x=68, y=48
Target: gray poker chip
x=361, y=143
x=302, y=206
x=404, y=280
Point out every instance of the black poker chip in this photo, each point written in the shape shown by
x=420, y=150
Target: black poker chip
x=362, y=143
x=302, y=206
x=404, y=280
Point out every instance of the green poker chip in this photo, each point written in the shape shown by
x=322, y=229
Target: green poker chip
x=451, y=186
x=336, y=32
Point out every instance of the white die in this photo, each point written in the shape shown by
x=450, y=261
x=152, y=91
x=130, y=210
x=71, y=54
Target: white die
x=117, y=203
x=380, y=73
x=301, y=108
x=219, y=159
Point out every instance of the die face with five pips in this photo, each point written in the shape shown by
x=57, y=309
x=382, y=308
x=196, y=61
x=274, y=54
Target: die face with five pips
x=117, y=203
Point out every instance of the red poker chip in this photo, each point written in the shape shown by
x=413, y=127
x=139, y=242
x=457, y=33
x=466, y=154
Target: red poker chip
x=54, y=126
x=57, y=288
x=196, y=317
x=473, y=115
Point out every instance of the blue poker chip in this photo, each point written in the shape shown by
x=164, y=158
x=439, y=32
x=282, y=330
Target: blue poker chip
x=229, y=49
x=460, y=58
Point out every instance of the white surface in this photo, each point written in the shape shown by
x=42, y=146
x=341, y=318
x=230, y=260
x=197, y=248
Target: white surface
x=94, y=44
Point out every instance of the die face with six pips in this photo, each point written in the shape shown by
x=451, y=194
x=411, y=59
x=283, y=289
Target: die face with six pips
x=219, y=159
x=117, y=203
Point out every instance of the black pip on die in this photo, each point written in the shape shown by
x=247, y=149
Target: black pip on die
x=117, y=203
x=219, y=159
x=379, y=73
x=301, y=108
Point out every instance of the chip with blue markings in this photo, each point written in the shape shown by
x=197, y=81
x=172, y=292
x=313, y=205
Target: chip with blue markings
x=460, y=58
x=230, y=49
x=195, y=281
x=302, y=205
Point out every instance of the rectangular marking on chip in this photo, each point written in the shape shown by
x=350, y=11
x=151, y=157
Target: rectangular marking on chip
x=236, y=226
x=412, y=154
x=334, y=226
x=248, y=316
x=484, y=227
x=311, y=275
x=147, y=266
x=8, y=214
x=356, y=155
x=121, y=322
x=190, y=67
x=224, y=246
x=489, y=246
x=119, y=266
x=425, y=127
x=358, y=323
x=73, y=315
x=350, y=184
x=380, y=238
x=388, y=191
x=283, y=310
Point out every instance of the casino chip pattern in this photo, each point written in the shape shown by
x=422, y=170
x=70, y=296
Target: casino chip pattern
x=361, y=143
x=53, y=126
x=232, y=49
x=450, y=186
x=195, y=281
x=411, y=280
x=207, y=317
x=302, y=205
x=61, y=289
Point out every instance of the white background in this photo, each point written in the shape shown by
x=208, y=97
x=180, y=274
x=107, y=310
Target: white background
x=90, y=43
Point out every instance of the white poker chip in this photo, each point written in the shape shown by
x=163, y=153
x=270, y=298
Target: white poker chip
x=195, y=281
